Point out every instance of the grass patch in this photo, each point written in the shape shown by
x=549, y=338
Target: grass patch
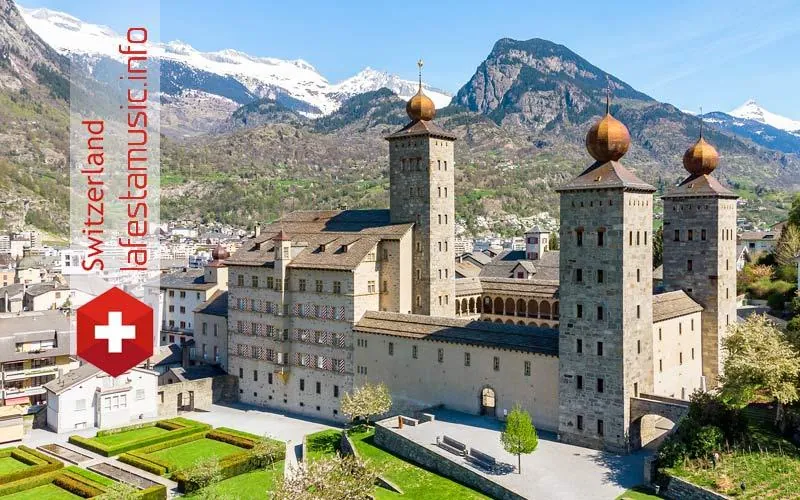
x=132, y=435
x=11, y=464
x=186, y=454
x=91, y=476
x=415, y=481
x=769, y=465
x=253, y=484
x=44, y=492
x=637, y=493
x=322, y=444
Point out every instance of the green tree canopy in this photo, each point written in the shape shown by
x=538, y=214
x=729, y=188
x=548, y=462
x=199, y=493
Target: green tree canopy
x=759, y=361
x=520, y=435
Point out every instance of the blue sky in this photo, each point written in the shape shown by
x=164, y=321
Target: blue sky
x=714, y=54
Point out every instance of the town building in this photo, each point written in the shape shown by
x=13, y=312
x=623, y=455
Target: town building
x=35, y=348
x=88, y=397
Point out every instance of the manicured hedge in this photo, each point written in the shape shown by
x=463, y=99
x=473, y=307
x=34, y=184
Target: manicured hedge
x=109, y=451
x=157, y=492
x=38, y=461
x=78, y=485
x=117, y=430
x=143, y=463
x=246, y=435
x=27, y=483
x=172, y=442
x=239, y=441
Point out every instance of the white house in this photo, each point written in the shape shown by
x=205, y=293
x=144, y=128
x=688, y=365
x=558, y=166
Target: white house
x=88, y=397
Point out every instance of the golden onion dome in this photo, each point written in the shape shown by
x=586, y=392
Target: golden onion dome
x=608, y=139
x=420, y=107
x=701, y=158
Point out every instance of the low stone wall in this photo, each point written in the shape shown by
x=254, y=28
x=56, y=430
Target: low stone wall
x=429, y=459
x=206, y=391
x=678, y=489
x=347, y=446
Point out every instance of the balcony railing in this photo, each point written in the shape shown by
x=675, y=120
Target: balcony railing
x=13, y=392
x=29, y=372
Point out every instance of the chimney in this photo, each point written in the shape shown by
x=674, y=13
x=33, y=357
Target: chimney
x=257, y=230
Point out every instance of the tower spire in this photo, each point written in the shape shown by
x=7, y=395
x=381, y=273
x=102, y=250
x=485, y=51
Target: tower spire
x=608, y=95
x=701, y=122
x=420, y=64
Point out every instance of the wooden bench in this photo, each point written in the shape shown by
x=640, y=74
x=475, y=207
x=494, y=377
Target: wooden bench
x=482, y=459
x=451, y=445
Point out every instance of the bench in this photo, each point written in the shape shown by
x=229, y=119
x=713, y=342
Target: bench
x=482, y=459
x=409, y=421
x=451, y=445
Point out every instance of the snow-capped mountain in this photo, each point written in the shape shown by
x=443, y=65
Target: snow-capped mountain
x=758, y=132
x=751, y=110
x=228, y=73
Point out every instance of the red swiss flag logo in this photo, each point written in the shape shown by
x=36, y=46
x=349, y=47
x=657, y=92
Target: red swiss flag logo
x=115, y=332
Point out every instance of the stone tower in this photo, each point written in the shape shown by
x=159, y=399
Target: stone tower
x=537, y=242
x=700, y=250
x=422, y=191
x=606, y=281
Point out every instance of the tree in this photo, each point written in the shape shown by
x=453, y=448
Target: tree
x=367, y=401
x=204, y=473
x=788, y=247
x=658, y=247
x=553, y=243
x=794, y=212
x=328, y=478
x=759, y=361
x=119, y=491
x=520, y=435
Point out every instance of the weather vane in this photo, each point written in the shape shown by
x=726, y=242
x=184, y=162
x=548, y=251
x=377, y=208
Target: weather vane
x=420, y=64
x=608, y=94
x=701, y=122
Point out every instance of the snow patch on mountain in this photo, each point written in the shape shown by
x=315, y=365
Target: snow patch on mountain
x=262, y=76
x=751, y=110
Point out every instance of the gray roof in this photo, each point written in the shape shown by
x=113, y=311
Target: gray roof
x=79, y=375
x=12, y=289
x=421, y=127
x=658, y=273
x=216, y=305
x=700, y=185
x=672, y=305
x=43, y=288
x=527, y=265
x=322, y=236
x=89, y=284
x=33, y=322
x=608, y=175
x=185, y=279
x=547, y=266
x=458, y=331
x=467, y=269
x=480, y=258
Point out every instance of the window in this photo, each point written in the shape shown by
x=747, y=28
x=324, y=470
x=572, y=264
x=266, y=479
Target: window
x=301, y=285
x=440, y=355
x=241, y=373
x=579, y=310
x=171, y=308
x=269, y=378
x=600, y=385
x=255, y=375
x=579, y=275
x=659, y=334
x=527, y=370
x=337, y=287
x=139, y=394
x=215, y=329
x=692, y=352
x=183, y=295
x=638, y=311
x=579, y=382
x=638, y=275
x=638, y=347
x=239, y=282
x=336, y=391
x=270, y=282
x=319, y=286
x=600, y=238
x=302, y=384
x=80, y=404
x=496, y=363
x=600, y=429
x=183, y=309
x=600, y=274
x=255, y=281
x=599, y=312
x=241, y=279
x=691, y=324
x=319, y=388
x=466, y=359
x=599, y=348
x=690, y=235
x=660, y=365
x=677, y=235
x=580, y=422
x=579, y=237
x=205, y=328
x=703, y=234
x=370, y=287
x=414, y=351
x=579, y=346
x=636, y=389
x=689, y=265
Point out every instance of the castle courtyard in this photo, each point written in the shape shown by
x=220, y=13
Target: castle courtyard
x=555, y=470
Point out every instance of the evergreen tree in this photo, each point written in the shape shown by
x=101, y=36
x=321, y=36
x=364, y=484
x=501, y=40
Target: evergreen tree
x=520, y=435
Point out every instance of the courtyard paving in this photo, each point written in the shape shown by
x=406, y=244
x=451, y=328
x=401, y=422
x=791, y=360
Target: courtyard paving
x=554, y=471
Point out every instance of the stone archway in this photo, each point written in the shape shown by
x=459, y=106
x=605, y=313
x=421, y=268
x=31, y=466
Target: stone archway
x=652, y=418
x=488, y=401
x=498, y=306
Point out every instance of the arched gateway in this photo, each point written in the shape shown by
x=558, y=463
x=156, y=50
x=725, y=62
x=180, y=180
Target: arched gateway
x=488, y=404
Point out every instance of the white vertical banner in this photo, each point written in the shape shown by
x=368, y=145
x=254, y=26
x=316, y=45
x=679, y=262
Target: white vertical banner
x=115, y=159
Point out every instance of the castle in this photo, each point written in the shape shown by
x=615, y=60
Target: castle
x=321, y=302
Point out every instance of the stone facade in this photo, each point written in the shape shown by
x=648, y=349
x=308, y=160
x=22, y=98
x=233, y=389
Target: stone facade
x=700, y=258
x=422, y=191
x=678, y=489
x=605, y=347
x=677, y=360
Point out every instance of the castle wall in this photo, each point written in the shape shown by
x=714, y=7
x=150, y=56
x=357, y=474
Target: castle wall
x=677, y=356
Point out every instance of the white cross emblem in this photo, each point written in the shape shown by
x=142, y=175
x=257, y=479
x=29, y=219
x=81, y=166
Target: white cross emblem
x=115, y=332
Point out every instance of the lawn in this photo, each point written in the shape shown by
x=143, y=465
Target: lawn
x=249, y=485
x=90, y=475
x=637, y=493
x=322, y=444
x=415, y=481
x=769, y=466
x=11, y=464
x=45, y=492
x=128, y=436
x=186, y=454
